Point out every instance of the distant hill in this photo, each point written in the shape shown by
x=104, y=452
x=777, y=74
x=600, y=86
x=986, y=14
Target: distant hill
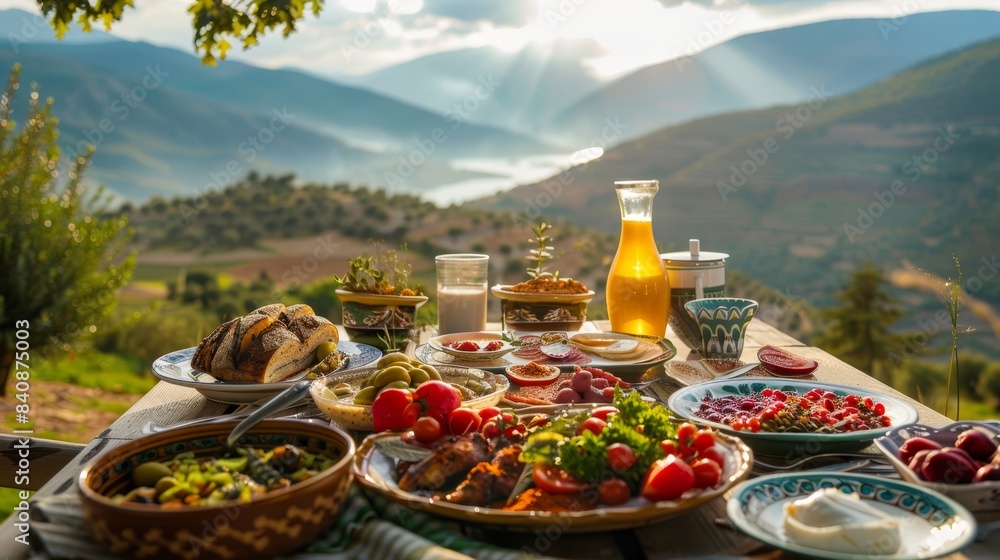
x=821, y=201
x=769, y=68
x=172, y=126
x=536, y=82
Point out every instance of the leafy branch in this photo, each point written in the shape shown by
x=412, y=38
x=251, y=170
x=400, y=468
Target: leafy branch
x=385, y=272
x=541, y=253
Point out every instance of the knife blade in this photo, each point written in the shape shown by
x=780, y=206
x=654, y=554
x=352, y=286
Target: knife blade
x=738, y=371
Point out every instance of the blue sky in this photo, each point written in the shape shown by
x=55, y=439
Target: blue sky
x=354, y=37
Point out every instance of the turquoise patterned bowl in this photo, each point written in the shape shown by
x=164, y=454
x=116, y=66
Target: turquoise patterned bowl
x=931, y=524
x=722, y=323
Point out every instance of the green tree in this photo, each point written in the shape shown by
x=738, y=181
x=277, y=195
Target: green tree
x=60, y=252
x=858, y=330
x=214, y=21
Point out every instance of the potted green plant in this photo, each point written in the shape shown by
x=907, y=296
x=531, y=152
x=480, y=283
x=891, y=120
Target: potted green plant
x=544, y=302
x=378, y=300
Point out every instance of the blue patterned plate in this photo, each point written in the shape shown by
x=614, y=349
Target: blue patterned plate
x=175, y=368
x=686, y=402
x=931, y=524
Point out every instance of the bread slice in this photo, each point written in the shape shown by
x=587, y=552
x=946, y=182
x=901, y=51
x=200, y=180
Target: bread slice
x=202, y=359
x=312, y=331
x=293, y=312
x=272, y=356
x=271, y=310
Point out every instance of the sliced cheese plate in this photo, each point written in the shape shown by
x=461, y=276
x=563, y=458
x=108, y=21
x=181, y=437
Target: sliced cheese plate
x=175, y=368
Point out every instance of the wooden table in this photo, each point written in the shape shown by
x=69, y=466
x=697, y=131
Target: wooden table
x=694, y=534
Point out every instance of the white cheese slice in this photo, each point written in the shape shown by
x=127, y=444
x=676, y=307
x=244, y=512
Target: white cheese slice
x=832, y=520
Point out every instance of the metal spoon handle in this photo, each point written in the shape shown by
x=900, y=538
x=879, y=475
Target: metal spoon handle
x=281, y=400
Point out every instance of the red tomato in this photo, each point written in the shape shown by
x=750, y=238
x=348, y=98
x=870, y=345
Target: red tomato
x=613, y=492
x=392, y=411
x=490, y=429
x=706, y=473
x=603, y=412
x=620, y=457
x=714, y=453
x=427, y=429
x=550, y=478
x=489, y=412
x=493, y=345
x=669, y=447
x=465, y=346
x=703, y=439
x=685, y=433
x=410, y=438
x=437, y=398
x=593, y=425
x=514, y=430
x=462, y=421
x=667, y=479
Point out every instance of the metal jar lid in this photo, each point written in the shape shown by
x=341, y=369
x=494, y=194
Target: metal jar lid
x=694, y=257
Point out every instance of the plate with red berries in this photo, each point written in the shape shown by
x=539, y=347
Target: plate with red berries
x=782, y=416
x=472, y=346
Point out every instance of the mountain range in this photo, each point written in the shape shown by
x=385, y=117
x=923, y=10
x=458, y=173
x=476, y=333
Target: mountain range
x=905, y=170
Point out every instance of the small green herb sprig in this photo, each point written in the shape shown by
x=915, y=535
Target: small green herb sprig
x=386, y=273
x=541, y=253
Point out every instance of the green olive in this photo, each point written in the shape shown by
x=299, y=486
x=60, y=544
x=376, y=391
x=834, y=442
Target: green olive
x=324, y=350
x=147, y=474
x=366, y=396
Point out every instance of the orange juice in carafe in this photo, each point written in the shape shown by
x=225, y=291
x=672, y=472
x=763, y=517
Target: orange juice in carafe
x=638, y=295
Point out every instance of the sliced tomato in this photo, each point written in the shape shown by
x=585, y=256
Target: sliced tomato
x=550, y=478
x=667, y=479
x=465, y=346
x=603, y=412
x=706, y=473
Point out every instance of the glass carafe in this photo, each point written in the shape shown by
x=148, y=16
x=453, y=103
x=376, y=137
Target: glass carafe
x=638, y=295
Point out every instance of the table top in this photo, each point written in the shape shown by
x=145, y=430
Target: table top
x=698, y=533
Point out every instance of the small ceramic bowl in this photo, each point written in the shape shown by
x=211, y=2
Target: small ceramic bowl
x=979, y=496
x=485, y=389
x=275, y=524
x=531, y=312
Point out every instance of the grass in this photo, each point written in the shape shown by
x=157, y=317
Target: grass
x=9, y=497
x=109, y=372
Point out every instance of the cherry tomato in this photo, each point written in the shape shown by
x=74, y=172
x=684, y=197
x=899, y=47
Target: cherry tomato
x=427, y=429
x=686, y=432
x=620, y=457
x=879, y=408
x=462, y=421
x=667, y=479
x=437, y=398
x=489, y=412
x=706, y=473
x=392, y=411
x=714, y=453
x=410, y=438
x=490, y=429
x=753, y=424
x=514, y=431
x=593, y=425
x=603, y=412
x=703, y=439
x=669, y=447
x=613, y=492
x=550, y=478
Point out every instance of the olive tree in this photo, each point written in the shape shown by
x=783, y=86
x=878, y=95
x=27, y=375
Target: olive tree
x=61, y=253
x=214, y=21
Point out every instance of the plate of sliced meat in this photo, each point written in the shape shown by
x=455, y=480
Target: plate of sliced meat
x=616, y=352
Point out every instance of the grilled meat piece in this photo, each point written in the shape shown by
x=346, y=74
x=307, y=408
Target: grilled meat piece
x=449, y=458
x=489, y=482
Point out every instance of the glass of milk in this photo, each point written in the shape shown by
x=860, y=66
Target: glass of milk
x=461, y=291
